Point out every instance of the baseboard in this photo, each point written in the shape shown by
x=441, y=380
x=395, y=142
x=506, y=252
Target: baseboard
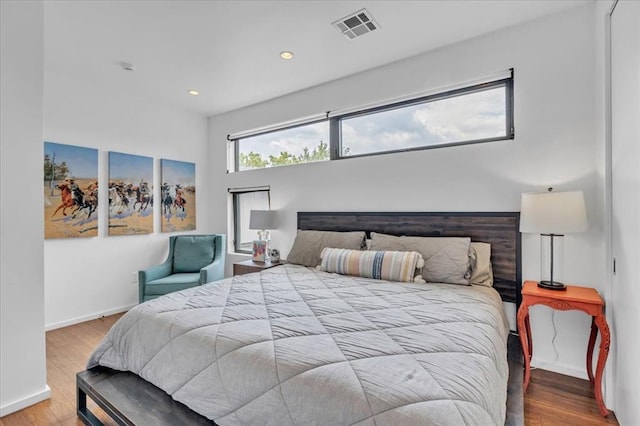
x=561, y=369
x=25, y=402
x=90, y=317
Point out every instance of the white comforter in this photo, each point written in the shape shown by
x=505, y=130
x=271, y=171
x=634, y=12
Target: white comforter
x=296, y=346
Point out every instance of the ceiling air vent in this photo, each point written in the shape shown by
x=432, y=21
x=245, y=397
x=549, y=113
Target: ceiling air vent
x=356, y=24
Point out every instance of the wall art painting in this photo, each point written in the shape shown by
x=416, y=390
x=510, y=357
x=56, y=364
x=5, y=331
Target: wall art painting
x=259, y=253
x=130, y=194
x=178, y=194
x=70, y=191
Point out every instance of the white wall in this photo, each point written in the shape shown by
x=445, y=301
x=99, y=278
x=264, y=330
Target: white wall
x=624, y=179
x=22, y=341
x=555, y=145
x=89, y=277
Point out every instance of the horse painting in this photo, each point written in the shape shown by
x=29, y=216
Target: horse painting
x=167, y=200
x=178, y=195
x=117, y=200
x=66, y=199
x=81, y=201
x=89, y=200
x=143, y=196
x=70, y=183
x=179, y=202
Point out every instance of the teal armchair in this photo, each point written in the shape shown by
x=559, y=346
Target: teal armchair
x=193, y=260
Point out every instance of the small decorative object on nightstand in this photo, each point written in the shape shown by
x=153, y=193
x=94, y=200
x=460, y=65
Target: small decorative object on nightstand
x=274, y=255
x=259, y=253
x=249, y=266
x=584, y=299
x=263, y=221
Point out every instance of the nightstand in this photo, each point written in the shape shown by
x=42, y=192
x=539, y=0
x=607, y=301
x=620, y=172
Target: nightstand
x=248, y=266
x=584, y=299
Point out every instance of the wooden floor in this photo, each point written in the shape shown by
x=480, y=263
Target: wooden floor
x=552, y=399
x=555, y=399
x=68, y=350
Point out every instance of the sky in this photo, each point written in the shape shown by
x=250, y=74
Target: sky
x=178, y=172
x=82, y=162
x=292, y=140
x=472, y=116
x=130, y=168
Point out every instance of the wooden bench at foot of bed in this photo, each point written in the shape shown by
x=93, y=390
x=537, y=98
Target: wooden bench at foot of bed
x=130, y=400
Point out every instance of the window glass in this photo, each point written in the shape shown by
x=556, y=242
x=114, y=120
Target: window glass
x=300, y=144
x=466, y=117
x=477, y=113
x=243, y=203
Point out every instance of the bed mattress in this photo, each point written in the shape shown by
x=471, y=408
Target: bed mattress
x=296, y=346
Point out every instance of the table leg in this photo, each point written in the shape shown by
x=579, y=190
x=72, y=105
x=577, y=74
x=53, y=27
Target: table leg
x=527, y=324
x=605, y=340
x=525, y=340
x=592, y=343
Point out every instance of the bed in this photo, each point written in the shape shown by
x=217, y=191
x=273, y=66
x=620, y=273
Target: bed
x=297, y=345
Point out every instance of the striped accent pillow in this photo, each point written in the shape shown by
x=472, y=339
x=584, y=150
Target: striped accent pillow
x=384, y=265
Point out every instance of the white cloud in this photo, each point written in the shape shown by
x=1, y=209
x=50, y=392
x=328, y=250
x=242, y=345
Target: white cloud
x=473, y=116
x=476, y=116
x=292, y=140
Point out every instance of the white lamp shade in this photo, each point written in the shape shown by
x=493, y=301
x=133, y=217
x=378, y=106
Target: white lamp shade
x=553, y=213
x=262, y=219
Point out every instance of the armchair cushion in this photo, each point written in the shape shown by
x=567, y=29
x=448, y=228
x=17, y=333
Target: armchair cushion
x=192, y=253
x=172, y=283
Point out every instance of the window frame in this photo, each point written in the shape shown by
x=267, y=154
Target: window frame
x=236, y=141
x=235, y=194
x=335, y=121
x=335, y=132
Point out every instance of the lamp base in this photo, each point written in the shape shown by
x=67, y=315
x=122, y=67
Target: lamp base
x=552, y=285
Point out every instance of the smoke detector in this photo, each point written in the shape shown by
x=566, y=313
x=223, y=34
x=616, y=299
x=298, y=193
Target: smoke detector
x=356, y=24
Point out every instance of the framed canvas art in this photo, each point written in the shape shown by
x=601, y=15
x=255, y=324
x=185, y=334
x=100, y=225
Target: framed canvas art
x=259, y=253
x=70, y=191
x=130, y=194
x=178, y=195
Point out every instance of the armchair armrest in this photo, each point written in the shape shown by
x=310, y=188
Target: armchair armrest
x=212, y=272
x=215, y=270
x=152, y=273
x=155, y=272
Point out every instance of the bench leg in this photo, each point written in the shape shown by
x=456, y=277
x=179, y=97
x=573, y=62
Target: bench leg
x=87, y=417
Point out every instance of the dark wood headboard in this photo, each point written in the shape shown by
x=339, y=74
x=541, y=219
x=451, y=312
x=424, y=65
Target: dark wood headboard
x=500, y=229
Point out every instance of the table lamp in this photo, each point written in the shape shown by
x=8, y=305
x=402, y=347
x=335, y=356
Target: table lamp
x=263, y=221
x=553, y=214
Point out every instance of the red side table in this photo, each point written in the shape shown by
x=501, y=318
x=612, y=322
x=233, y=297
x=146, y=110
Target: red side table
x=584, y=299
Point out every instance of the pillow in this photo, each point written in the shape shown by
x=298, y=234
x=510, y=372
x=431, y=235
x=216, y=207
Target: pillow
x=383, y=265
x=480, y=262
x=192, y=253
x=308, y=245
x=446, y=259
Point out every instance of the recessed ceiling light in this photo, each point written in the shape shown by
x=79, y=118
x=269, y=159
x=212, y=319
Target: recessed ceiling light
x=286, y=55
x=193, y=92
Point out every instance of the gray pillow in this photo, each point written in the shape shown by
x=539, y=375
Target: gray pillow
x=446, y=259
x=192, y=253
x=480, y=259
x=308, y=245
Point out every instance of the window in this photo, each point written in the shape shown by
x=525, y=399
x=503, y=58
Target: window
x=469, y=115
x=245, y=200
x=300, y=144
x=476, y=113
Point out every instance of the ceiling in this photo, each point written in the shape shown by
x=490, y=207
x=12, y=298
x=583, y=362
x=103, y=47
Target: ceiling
x=229, y=50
